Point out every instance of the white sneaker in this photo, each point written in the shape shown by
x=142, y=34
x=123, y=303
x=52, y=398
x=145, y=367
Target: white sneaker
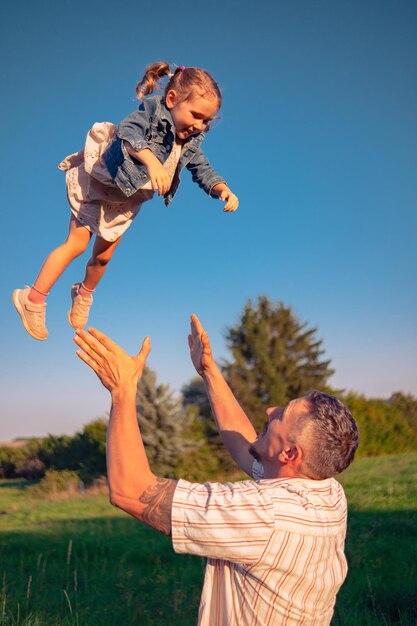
x=33, y=315
x=78, y=313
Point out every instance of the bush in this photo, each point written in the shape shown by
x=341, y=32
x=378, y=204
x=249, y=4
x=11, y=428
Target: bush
x=30, y=469
x=58, y=482
x=383, y=425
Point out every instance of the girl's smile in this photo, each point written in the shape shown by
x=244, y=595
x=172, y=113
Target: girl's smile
x=193, y=115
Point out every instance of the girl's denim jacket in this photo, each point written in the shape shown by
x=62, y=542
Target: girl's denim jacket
x=151, y=126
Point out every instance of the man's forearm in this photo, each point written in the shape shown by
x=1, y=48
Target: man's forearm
x=133, y=486
x=235, y=429
x=233, y=425
x=128, y=468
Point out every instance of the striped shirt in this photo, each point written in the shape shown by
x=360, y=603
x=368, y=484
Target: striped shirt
x=275, y=549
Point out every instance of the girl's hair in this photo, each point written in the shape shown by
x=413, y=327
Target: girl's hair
x=185, y=80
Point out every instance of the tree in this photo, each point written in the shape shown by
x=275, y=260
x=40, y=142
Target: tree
x=88, y=450
x=84, y=453
x=194, y=394
x=407, y=405
x=163, y=423
x=55, y=452
x=211, y=459
x=275, y=358
x=383, y=425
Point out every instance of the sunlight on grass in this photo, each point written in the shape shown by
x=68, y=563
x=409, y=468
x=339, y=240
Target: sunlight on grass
x=81, y=562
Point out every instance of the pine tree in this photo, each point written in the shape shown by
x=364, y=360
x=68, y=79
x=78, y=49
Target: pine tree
x=275, y=358
x=211, y=459
x=194, y=394
x=163, y=423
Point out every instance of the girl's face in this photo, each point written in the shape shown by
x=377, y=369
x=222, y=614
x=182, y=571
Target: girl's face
x=191, y=116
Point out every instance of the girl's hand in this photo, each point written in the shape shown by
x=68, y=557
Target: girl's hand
x=225, y=194
x=232, y=201
x=160, y=180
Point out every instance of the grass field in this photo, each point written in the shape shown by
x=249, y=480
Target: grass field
x=81, y=562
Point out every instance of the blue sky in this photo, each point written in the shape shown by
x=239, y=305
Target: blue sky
x=318, y=138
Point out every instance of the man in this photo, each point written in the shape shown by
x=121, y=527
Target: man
x=274, y=545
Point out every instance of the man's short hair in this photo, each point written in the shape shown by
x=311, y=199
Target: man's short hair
x=331, y=432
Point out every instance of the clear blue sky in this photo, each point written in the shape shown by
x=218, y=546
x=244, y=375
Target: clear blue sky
x=318, y=138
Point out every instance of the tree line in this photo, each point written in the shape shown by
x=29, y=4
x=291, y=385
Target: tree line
x=274, y=357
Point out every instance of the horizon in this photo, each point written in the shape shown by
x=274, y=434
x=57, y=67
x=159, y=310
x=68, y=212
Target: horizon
x=317, y=137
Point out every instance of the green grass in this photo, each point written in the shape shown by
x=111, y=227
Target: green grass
x=381, y=545
x=82, y=562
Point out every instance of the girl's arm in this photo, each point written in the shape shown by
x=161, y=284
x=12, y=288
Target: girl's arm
x=158, y=175
x=224, y=193
x=135, y=132
x=205, y=176
x=136, y=127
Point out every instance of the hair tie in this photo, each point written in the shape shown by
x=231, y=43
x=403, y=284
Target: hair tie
x=182, y=68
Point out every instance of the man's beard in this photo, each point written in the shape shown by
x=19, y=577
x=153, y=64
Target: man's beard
x=253, y=451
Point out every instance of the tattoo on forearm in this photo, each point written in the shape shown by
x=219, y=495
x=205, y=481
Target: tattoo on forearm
x=159, y=500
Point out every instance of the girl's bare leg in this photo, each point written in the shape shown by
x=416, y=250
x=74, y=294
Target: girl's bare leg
x=81, y=294
x=102, y=253
x=30, y=302
x=59, y=259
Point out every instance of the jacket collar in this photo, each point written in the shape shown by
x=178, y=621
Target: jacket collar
x=166, y=113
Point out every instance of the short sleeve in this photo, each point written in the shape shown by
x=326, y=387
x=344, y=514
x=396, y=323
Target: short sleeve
x=231, y=521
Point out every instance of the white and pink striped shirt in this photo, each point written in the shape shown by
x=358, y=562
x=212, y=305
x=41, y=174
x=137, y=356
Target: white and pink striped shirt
x=275, y=549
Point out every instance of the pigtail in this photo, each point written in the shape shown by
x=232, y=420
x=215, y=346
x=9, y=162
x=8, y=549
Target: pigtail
x=187, y=80
x=153, y=74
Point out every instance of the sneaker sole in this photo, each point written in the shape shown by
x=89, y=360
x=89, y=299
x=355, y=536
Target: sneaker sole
x=18, y=306
x=71, y=324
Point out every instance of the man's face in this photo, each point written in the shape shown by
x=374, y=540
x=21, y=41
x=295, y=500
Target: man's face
x=274, y=437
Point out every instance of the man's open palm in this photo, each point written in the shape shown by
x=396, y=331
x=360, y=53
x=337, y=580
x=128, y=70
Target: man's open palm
x=200, y=349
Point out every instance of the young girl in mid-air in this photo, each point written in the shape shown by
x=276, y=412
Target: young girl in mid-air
x=119, y=169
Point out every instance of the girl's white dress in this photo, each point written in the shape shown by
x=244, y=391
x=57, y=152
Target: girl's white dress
x=94, y=198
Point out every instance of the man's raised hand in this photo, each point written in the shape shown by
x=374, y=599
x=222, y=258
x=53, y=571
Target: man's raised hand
x=115, y=368
x=200, y=349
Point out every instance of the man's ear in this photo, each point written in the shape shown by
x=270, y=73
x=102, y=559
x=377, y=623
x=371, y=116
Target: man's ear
x=171, y=98
x=291, y=455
